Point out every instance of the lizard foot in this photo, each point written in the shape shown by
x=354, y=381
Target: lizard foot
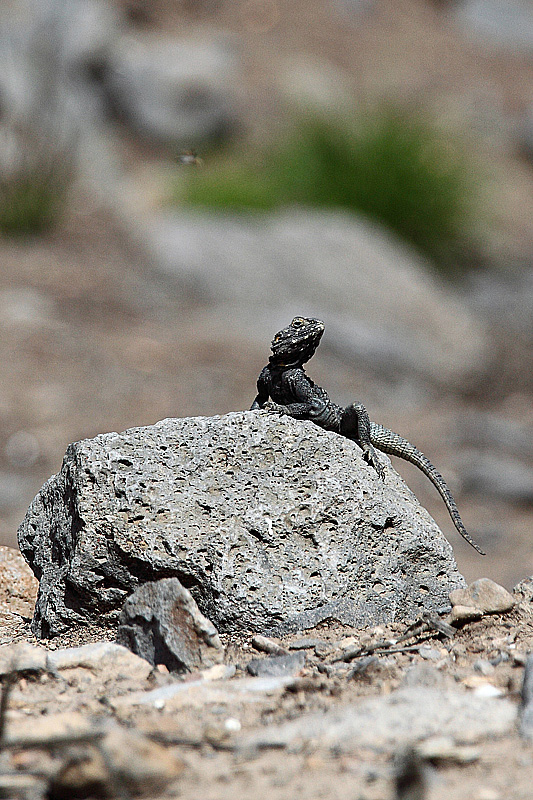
x=370, y=456
x=270, y=405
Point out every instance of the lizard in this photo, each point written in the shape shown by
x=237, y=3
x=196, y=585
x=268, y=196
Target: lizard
x=283, y=386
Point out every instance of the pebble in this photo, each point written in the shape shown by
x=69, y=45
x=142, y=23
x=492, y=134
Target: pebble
x=462, y=614
x=483, y=667
x=360, y=666
x=276, y=666
x=232, y=724
x=348, y=643
x=266, y=645
x=219, y=672
x=486, y=595
x=429, y=653
x=488, y=690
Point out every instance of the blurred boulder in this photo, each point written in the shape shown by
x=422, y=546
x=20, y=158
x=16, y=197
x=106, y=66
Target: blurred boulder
x=86, y=29
x=492, y=432
x=503, y=23
x=497, y=475
x=174, y=91
x=505, y=298
x=378, y=298
x=51, y=53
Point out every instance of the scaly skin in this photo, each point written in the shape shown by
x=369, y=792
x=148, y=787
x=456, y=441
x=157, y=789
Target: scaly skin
x=283, y=386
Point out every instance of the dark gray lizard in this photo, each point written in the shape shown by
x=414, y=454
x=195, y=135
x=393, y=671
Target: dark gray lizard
x=283, y=386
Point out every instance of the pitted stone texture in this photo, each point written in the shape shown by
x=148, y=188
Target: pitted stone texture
x=272, y=523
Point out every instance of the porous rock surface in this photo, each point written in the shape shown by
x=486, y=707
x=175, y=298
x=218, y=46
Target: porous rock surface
x=272, y=523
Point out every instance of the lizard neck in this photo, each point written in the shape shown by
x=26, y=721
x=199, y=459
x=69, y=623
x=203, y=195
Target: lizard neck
x=282, y=364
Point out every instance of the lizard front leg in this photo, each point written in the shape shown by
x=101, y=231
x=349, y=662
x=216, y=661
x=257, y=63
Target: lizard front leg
x=301, y=410
x=355, y=424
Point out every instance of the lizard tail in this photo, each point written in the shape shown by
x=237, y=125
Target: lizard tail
x=395, y=445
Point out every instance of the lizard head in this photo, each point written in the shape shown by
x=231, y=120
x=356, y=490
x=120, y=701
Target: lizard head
x=298, y=341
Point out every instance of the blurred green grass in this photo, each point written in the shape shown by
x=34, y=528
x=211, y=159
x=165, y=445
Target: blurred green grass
x=395, y=166
x=34, y=190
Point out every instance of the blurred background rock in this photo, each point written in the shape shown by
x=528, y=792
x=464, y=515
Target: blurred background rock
x=363, y=161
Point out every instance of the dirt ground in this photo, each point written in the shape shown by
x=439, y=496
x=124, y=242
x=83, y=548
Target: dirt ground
x=210, y=728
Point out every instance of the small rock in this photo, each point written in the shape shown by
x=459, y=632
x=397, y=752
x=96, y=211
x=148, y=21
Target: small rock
x=22, y=657
x=266, y=645
x=161, y=622
x=220, y=672
x=232, y=725
x=110, y=658
x=307, y=684
x=425, y=675
x=429, y=653
x=485, y=594
x=276, y=666
x=362, y=665
x=488, y=690
x=519, y=659
x=348, y=643
x=481, y=686
x=462, y=614
x=483, y=667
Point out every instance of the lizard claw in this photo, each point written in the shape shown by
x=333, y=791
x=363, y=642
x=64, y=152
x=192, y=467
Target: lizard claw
x=270, y=405
x=370, y=456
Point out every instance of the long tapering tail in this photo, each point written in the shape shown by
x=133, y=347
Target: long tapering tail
x=395, y=445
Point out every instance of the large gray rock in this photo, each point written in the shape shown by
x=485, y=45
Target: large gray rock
x=272, y=523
